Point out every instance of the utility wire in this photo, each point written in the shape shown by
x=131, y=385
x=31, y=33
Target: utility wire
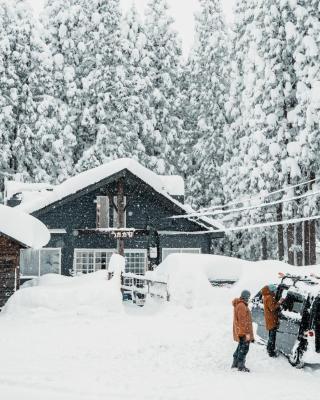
x=219, y=207
x=244, y=227
x=234, y=210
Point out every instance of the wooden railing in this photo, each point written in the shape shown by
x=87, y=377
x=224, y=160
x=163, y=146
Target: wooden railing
x=139, y=286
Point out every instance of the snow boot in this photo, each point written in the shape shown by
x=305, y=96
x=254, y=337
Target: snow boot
x=242, y=367
x=235, y=363
x=273, y=354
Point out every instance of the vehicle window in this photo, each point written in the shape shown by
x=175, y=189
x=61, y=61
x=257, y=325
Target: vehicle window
x=294, y=303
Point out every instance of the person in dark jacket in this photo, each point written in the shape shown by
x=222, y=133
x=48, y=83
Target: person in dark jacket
x=242, y=330
x=271, y=316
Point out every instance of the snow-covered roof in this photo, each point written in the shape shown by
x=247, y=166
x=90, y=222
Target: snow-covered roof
x=173, y=184
x=23, y=228
x=162, y=184
x=27, y=190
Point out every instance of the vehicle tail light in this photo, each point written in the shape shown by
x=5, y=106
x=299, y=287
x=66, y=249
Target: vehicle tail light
x=309, y=334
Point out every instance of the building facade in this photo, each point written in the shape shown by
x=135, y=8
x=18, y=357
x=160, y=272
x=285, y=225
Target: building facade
x=83, y=217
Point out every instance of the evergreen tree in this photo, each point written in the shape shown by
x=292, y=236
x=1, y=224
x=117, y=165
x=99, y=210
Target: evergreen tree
x=163, y=69
x=105, y=87
x=67, y=28
x=208, y=93
x=20, y=93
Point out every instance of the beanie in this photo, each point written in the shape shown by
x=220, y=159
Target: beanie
x=245, y=295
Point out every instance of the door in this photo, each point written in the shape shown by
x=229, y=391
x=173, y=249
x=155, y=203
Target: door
x=289, y=322
x=8, y=280
x=258, y=316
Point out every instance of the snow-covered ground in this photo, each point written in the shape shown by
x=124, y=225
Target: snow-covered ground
x=161, y=351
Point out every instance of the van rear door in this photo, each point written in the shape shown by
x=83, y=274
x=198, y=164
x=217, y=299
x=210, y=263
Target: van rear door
x=289, y=322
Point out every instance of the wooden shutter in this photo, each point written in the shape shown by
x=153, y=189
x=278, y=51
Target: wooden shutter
x=102, y=212
x=115, y=214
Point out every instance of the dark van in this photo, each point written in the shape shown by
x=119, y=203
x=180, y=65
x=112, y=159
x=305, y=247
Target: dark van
x=298, y=335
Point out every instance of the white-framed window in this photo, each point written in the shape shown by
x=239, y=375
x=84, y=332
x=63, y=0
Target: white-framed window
x=34, y=263
x=103, y=212
x=166, y=251
x=91, y=260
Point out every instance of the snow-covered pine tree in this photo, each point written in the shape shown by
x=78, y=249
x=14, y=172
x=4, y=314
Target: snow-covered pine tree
x=106, y=88
x=54, y=139
x=208, y=93
x=67, y=28
x=21, y=52
x=267, y=98
x=305, y=117
x=163, y=68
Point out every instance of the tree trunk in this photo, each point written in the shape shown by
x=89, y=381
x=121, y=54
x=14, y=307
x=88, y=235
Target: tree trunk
x=306, y=243
x=290, y=243
x=299, y=244
x=280, y=233
x=313, y=253
x=264, y=248
x=312, y=232
x=120, y=215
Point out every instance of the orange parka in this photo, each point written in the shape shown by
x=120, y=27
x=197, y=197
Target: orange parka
x=242, y=320
x=271, y=309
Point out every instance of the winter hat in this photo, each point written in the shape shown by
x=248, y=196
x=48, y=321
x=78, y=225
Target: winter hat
x=272, y=287
x=245, y=295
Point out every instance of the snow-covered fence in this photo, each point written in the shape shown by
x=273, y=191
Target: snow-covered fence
x=140, y=285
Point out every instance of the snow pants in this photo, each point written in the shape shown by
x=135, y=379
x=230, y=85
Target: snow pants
x=271, y=346
x=241, y=352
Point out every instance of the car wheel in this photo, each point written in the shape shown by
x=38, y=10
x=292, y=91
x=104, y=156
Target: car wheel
x=295, y=358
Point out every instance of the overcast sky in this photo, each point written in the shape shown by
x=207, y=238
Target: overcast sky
x=182, y=11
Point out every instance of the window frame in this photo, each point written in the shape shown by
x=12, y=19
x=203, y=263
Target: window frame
x=39, y=264
x=94, y=251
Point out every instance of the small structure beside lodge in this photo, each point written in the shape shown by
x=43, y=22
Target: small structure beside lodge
x=119, y=207
x=18, y=231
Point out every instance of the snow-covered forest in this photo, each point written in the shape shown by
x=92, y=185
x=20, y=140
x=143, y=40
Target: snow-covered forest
x=238, y=117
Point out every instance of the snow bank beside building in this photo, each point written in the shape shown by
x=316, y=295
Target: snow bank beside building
x=90, y=294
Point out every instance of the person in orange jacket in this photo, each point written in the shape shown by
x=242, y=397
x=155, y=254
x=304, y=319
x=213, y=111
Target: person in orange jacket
x=242, y=330
x=271, y=316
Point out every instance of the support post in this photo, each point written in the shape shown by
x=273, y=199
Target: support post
x=120, y=215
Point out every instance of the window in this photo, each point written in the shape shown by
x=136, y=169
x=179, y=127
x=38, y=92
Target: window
x=35, y=263
x=86, y=261
x=115, y=214
x=294, y=303
x=167, y=251
x=102, y=212
x=91, y=260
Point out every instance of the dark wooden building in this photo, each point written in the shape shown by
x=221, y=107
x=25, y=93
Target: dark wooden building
x=9, y=267
x=18, y=232
x=117, y=207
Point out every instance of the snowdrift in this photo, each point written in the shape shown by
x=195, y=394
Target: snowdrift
x=188, y=275
x=90, y=294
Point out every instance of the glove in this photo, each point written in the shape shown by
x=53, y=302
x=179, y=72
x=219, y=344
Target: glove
x=247, y=338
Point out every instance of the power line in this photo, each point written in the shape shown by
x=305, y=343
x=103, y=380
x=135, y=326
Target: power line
x=219, y=207
x=263, y=205
x=244, y=227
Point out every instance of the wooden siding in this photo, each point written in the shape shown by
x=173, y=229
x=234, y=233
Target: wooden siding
x=9, y=267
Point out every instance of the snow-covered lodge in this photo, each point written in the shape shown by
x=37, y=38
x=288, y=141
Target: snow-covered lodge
x=119, y=206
